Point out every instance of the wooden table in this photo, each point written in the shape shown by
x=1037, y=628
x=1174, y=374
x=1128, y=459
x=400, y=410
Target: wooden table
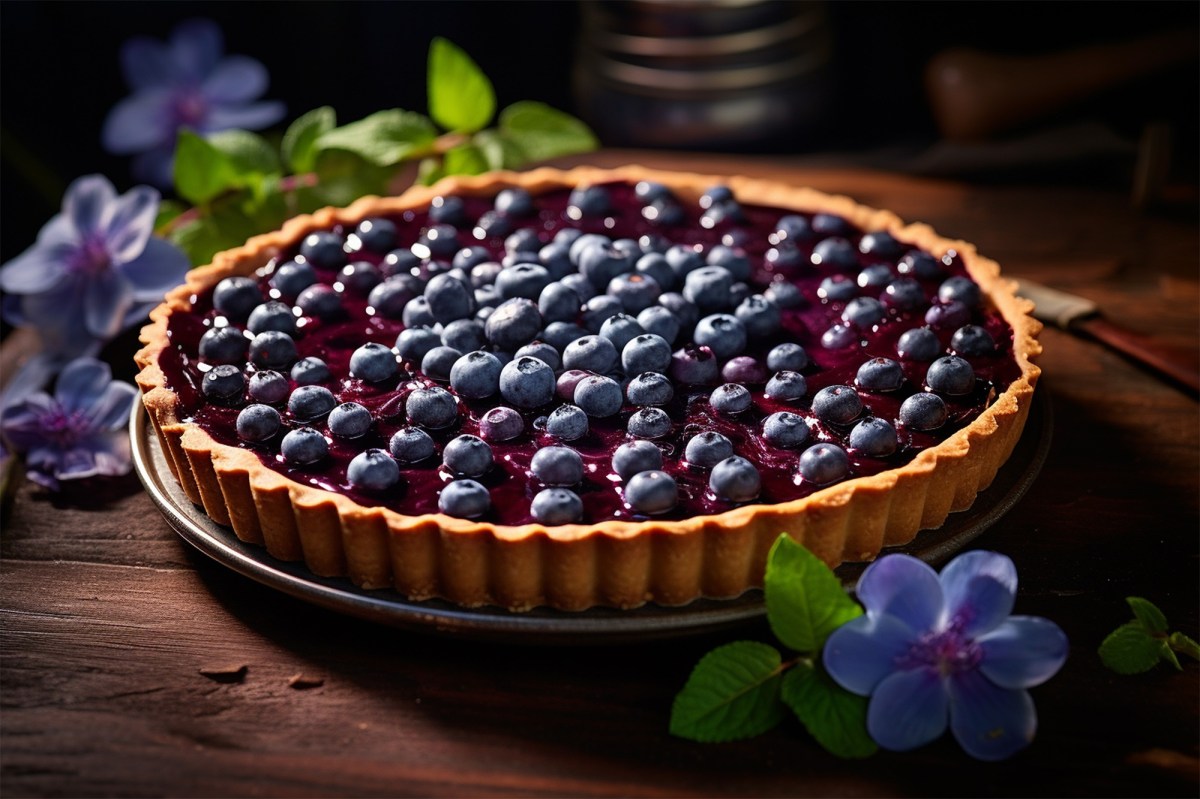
x=108, y=617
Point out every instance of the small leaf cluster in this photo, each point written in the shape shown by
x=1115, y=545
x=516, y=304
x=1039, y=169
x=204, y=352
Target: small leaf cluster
x=743, y=689
x=1141, y=644
x=239, y=183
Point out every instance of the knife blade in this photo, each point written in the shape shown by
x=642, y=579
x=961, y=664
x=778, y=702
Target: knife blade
x=1080, y=315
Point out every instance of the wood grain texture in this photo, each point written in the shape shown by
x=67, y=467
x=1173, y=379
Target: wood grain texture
x=108, y=619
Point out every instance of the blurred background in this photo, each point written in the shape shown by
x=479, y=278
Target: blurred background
x=1103, y=93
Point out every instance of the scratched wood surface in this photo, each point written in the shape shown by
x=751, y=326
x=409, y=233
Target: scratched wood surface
x=107, y=619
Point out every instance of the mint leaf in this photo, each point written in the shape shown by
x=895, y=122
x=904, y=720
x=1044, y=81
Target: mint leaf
x=465, y=159
x=168, y=211
x=201, y=170
x=1181, y=643
x=830, y=713
x=1148, y=614
x=805, y=600
x=429, y=171
x=732, y=693
x=385, y=138
x=342, y=177
x=248, y=153
x=499, y=150
x=461, y=97
x=200, y=240
x=1129, y=649
x=299, y=144
x=543, y=132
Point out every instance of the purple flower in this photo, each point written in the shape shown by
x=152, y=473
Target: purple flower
x=935, y=651
x=79, y=432
x=183, y=83
x=94, y=271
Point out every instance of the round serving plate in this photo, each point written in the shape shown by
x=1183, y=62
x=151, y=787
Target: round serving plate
x=548, y=626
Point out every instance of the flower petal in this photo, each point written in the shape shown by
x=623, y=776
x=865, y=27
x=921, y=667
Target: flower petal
x=33, y=271
x=146, y=63
x=156, y=166
x=140, y=122
x=1023, y=652
x=132, y=223
x=161, y=267
x=109, y=411
x=106, y=299
x=81, y=382
x=196, y=47
x=980, y=589
x=236, y=79
x=246, y=117
x=908, y=709
x=59, y=319
x=113, y=456
x=989, y=722
x=28, y=380
x=89, y=204
x=904, y=587
x=863, y=651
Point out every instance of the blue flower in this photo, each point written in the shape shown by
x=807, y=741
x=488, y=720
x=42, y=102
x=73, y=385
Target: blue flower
x=95, y=270
x=933, y=652
x=79, y=432
x=183, y=83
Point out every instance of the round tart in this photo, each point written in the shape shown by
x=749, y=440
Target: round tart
x=591, y=387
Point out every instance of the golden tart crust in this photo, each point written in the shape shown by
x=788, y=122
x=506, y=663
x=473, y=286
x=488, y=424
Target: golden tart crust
x=614, y=563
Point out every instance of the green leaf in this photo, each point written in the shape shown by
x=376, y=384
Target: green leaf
x=1181, y=643
x=732, y=693
x=342, y=177
x=299, y=145
x=830, y=713
x=168, y=211
x=201, y=170
x=543, y=132
x=1148, y=614
x=461, y=97
x=249, y=154
x=429, y=171
x=499, y=150
x=200, y=240
x=805, y=600
x=465, y=159
x=1166, y=653
x=385, y=138
x=1129, y=649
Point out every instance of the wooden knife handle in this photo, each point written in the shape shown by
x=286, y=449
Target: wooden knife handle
x=1172, y=363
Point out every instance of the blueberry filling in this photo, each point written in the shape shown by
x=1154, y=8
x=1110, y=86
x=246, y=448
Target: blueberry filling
x=683, y=353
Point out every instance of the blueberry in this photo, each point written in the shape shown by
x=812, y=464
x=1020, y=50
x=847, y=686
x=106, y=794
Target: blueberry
x=837, y=404
x=556, y=506
x=722, y=213
x=716, y=194
x=236, y=297
x=835, y=253
x=323, y=250
x=620, y=330
x=654, y=265
x=414, y=342
x=708, y=288
x=374, y=235
x=591, y=353
x=960, y=288
x=904, y=294
x=470, y=257
x=683, y=260
x=600, y=264
x=223, y=383
x=522, y=240
x=417, y=313
x=349, y=420
x=583, y=241
x=880, y=243
x=292, y=277
x=438, y=241
x=864, y=312
x=759, y=316
x=522, y=280
x=486, y=300
x=465, y=499
x=400, y=262
x=272, y=349
x=744, y=369
x=410, y=445
x=950, y=375
x=527, y=382
x=559, y=334
x=514, y=202
x=319, y=301
x=373, y=363
x=449, y=298
x=268, y=386
x=918, y=344
x=558, y=302
x=543, y=352
x=694, y=366
x=875, y=276
x=310, y=370
x=634, y=457
x=784, y=295
x=874, y=437
x=732, y=259
x=707, y=449
x=650, y=388
x=824, y=463
x=971, y=340
x=464, y=335
x=879, y=374
x=686, y=312
x=661, y=322
x=649, y=423
x=837, y=288
x=791, y=227
x=948, y=315
x=567, y=423
x=788, y=356
x=924, y=412
x=724, y=334
x=433, y=407
x=272, y=315
x=920, y=265
x=311, y=402
x=467, y=456
x=438, y=362
x=485, y=272
x=557, y=260
x=735, y=479
x=359, y=277
x=557, y=466
x=501, y=424
x=646, y=353
x=257, y=423
x=730, y=398
x=448, y=210
x=636, y=292
x=786, y=386
x=223, y=345
x=785, y=430
x=373, y=470
x=598, y=396
x=580, y=285
x=588, y=202
x=390, y=297
x=599, y=309
x=492, y=224
x=303, y=446
x=839, y=337
x=784, y=255
x=651, y=492
x=514, y=323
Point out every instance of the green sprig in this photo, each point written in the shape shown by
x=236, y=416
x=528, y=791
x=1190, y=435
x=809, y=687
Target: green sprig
x=1139, y=645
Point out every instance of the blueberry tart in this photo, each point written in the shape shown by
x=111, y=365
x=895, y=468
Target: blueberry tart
x=592, y=387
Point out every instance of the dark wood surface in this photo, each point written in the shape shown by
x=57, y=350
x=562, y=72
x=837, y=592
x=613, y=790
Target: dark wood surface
x=108, y=618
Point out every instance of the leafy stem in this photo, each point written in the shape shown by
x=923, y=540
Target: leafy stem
x=1141, y=644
